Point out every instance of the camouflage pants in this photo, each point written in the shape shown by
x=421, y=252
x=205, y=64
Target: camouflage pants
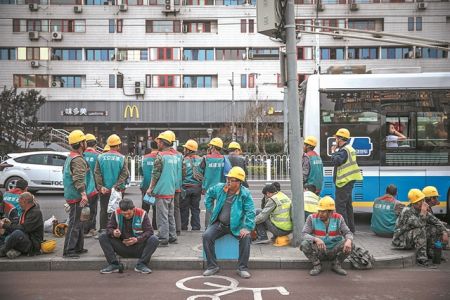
x=316, y=256
x=413, y=239
x=433, y=234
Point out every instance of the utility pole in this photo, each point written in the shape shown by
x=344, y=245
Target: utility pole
x=233, y=128
x=295, y=142
x=257, y=115
x=285, y=121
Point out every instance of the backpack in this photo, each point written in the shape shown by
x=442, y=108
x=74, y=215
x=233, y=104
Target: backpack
x=361, y=259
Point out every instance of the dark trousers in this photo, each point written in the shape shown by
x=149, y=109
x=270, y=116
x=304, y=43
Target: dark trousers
x=216, y=231
x=92, y=222
x=191, y=204
x=146, y=206
x=344, y=204
x=74, y=240
x=18, y=240
x=176, y=212
x=104, y=200
x=267, y=225
x=143, y=250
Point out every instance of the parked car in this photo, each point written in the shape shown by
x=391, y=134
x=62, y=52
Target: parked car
x=42, y=170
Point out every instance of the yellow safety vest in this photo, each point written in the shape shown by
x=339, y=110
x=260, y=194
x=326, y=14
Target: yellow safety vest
x=348, y=171
x=281, y=215
x=311, y=201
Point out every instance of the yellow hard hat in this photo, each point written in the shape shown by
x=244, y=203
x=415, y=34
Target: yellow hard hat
x=237, y=172
x=343, y=132
x=113, y=140
x=60, y=229
x=76, y=136
x=430, y=191
x=167, y=136
x=191, y=145
x=216, y=142
x=310, y=140
x=415, y=195
x=90, y=137
x=106, y=149
x=48, y=246
x=281, y=241
x=234, y=145
x=172, y=135
x=326, y=203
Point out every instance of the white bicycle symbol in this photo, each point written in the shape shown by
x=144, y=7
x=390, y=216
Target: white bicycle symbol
x=222, y=290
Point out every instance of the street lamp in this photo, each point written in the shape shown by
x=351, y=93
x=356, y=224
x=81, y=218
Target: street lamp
x=233, y=129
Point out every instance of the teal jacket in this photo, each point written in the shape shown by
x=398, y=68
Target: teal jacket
x=315, y=170
x=111, y=164
x=166, y=185
x=242, y=214
x=147, y=168
x=384, y=215
x=71, y=194
x=90, y=156
x=213, y=170
x=189, y=163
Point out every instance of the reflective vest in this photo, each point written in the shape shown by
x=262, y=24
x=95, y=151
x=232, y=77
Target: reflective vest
x=71, y=194
x=213, y=173
x=331, y=236
x=191, y=162
x=8, y=208
x=348, y=171
x=179, y=177
x=12, y=198
x=315, y=176
x=383, y=215
x=90, y=156
x=111, y=164
x=281, y=215
x=167, y=182
x=311, y=201
x=138, y=218
x=147, y=168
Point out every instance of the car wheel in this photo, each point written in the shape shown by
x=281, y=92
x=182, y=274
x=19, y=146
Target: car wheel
x=11, y=182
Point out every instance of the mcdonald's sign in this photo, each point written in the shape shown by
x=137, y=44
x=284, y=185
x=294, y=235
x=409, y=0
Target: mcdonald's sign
x=130, y=111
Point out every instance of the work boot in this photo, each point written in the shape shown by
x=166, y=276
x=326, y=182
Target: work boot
x=173, y=241
x=111, y=268
x=210, y=272
x=71, y=255
x=142, y=268
x=337, y=268
x=261, y=240
x=163, y=243
x=82, y=251
x=316, y=270
x=244, y=274
x=13, y=254
x=426, y=264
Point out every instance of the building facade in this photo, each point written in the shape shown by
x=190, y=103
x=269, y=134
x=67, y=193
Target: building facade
x=136, y=67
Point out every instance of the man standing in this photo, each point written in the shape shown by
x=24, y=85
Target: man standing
x=411, y=228
x=346, y=172
x=192, y=186
x=326, y=236
x=27, y=236
x=275, y=217
x=179, y=181
x=111, y=171
x=90, y=155
x=146, y=171
x=312, y=164
x=233, y=213
x=12, y=196
x=163, y=186
x=236, y=159
x=385, y=212
x=129, y=234
x=78, y=187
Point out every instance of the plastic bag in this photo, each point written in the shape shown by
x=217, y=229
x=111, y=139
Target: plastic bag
x=114, y=200
x=48, y=225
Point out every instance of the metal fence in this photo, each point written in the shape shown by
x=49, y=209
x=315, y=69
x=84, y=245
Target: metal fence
x=259, y=167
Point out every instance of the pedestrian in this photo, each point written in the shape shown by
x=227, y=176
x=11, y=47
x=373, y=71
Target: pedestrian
x=12, y=196
x=162, y=187
x=129, y=234
x=346, y=172
x=275, y=217
x=212, y=168
x=385, y=211
x=236, y=158
x=78, y=188
x=192, y=187
x=27, y=236
x=325, y=236
x=311, y=199
x=412, y=229
x=111, y=171
x=179, y=180
x=312, y=164
x=146, y=169
x=233, y=213
x=90, y=155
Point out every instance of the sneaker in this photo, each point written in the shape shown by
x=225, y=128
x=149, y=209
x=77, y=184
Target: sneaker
x=316, y=270
x=141, y=268
x=244, y=274
x=337, y=268
x=90, y=233
x=71, y=255
x=163, y=243
x=261, y=241
x=210, y=272
x=426, y=264
x=112, y=268
x=82, y=251
x=173, y=241
x=13, y=253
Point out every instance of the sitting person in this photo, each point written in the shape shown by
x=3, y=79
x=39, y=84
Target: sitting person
x=432, y=199
x=8, y=214
x=411, y=228
x=129, y=233
x=12, y=196
x=27, y=236
x=393, y=136
x=275, y=217
x=311, y=199
x=385, y=212
x=326, y=236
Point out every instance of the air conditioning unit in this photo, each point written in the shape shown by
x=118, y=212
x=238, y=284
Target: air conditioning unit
x=421, y=5
x=33, y=35
x=56, y=84
x=167, y=5
x=56, y=36
x=123, y=7
x=337, y=37
x=137, y=84
x=33, y=6
x=35, y=64
x=78, y=9
x=139, y=88
x=354, y=6
x=320, y=7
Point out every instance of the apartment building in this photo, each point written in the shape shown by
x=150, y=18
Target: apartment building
x=137, y=67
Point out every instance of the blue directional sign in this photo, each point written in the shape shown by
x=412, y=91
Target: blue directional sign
x=362, y=145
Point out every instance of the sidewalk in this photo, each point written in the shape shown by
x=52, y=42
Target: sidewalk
x=187, y=255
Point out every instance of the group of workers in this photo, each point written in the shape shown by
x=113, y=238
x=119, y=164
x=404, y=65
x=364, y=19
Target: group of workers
x=173, y=184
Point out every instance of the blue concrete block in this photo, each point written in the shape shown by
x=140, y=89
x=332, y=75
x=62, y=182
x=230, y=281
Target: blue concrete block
x=227, y=247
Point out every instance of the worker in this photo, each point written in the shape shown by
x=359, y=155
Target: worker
x=385, y=211
x=312, y=164
x=236, y=158
x=146, y=169
x=90, y=155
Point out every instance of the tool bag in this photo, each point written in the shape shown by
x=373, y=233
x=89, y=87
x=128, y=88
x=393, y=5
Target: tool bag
x=361, y=259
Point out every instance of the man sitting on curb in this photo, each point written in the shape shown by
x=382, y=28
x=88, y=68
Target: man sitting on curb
x=326, y=236
x=25, y=237
x=385, y=212
x=432, y=199
x=129, y=233
x=8, y=214
x=275, y=217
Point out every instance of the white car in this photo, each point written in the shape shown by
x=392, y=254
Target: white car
x=43, y=170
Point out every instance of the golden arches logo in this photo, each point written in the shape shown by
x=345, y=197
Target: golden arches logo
x=130, y=111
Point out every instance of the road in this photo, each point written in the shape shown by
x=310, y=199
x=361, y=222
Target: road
x=416, y=283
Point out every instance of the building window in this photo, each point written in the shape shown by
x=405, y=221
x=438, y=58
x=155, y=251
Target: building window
x=243, y=81
x=251, y=25
x=32, y=53
x=100, y=54
x=410, y=23
x=112, y=81
x=396, y=52
x=363, y=53
x=119, y=25
x=251, y=81
x=7, y=1
x=366, y=24
x=29, y=81
x=243, y=25
x=264, y=53
x=112, y=27
x=68, y=25
x=198, y=81
x=308, y=22
x=67, y=81
x=162, y=26
x=198, y=54
x=66, y=54
x=280, y=83
x=7, y=54
x=132, y=54
x=66, y=2
x=418, y=23
x=166, y=81
x=304, y=53
x=230, y=54
x=331, y=23
x=332, y=53
x=148, y=81
x=198, y=26
x=431, y=52
x=119, y=81
x=98, y=2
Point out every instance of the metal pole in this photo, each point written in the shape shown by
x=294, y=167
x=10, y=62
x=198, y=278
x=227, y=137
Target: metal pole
x=257, y=116
x=285, y=121
x=233, y=130
x=295, y=149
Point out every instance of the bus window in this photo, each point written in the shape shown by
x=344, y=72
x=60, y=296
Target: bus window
x=397, y=132
x=432, y=131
